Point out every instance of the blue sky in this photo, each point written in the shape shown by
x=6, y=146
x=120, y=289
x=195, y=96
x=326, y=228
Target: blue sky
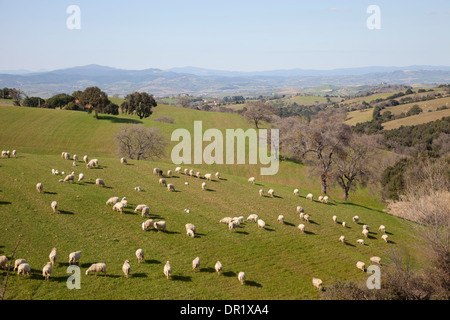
x=245, y=35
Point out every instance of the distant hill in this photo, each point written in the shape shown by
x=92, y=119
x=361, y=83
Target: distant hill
x=197, y=81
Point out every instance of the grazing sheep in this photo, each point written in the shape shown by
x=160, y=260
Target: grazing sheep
x=99, y=182
x=92, y=164
x=140, y=207
x=344, y=224
x=198, y=174
x=47, y=270
x=162, y=182
x=310, y=196
x=3, y=262
x=196, y=264
x=226, y=220
x=170, y=187
x=187, y=210
x=365, y=233
x=75, y=157
x=69, y=177
x=53, y=256
x=160, y=225
x=219, y=268
x=124, y=202
x=301, y=227
x=80, y=177
x=145, y=212
x=261, y=223
x=342, y=239
x=190, y=233
x=113, y=200
x=376, y=260
x=118, y=207
x=252, y=217
x=123, y=161
x=335, y=219
x=306, y=217
x=217, y=175
x=360, y=241
x=320, y=198
x=157, y=171
x=325, y=199
x=147, y=224
x=232, y=225
x=169, y=173
x=385, y=238
x=261, y=192
x=24, y=269
x=137, y=188
x=167, y=270
x=54, y=206
x=355, y=219
x=67, y=156
x=241, y=277
x=178, y=170
x=191, y=172
x=366, y=227
x=75, y=257
x=14, y=153
x=186, y=171
x=296, y=192
x=4, y=154
x=208, y=176
x=382, y=229
x=140, y=255
x=300, y=209
x=317, y=283
x=126, y=268
x=361, y=266
x=18, y=262
x=280, y=218
x=204, y=186
x=39, y=187
x=190, y=226
x=97, y=267
x=252, y=180
x=86, y=159
x=271, y=192
x=302, y=215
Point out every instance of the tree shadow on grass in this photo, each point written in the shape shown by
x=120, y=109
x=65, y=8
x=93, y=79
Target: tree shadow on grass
x=358, y=205
x=253, y=284
x=182, y=278
x=65, y=212
x=119, y=120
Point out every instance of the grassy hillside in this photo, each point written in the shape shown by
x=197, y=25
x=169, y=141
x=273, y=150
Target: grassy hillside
x=417, y=119
x=279, y=261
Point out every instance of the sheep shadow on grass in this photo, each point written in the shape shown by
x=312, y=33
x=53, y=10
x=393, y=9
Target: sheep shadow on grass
x=210, y=190
x=65, y=212
x=182, y=278
x=252, y=284
x=242, y=232
x=349, y=244
x=278, y=197
x=139, y=275
x=209, y=270
x=309, y=232
x=269, y=229
x=289, y=224
x=229, y=274
x=152, y=261
x=48, y=192
x=313, y=222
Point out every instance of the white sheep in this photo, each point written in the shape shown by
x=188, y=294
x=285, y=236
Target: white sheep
x=47, y=270
x=302, y=215
x=186, y=171
x=385, y=238
x=74, y=257
x=126, y=268
x=342, y=239
x=160, y=225
x=280, y=218
x=325, y=199
x=187, y=210
x=232, y=225
x=140, y=255
x=157, y=171
x=208, y=176
x=169, y=173
x=123, y=161
x=306, y=217
x=198, y=174
x=53, y=256
x=118, y=207
x=196, y=264
x=261, y=192
x=190, y=233
x=301, y=227
x=191, y=172
x=24, y=269
x=97, y=267
x=300, y=209
x=54, y=206
x=360, y=241
x=261, y=223
x=162, y=182
x=124, y=202
x=365, y=232
x=99, y=182
x=140, y=207
x=296, y=192
x=75, y=157
x=204, y=186
x=271, y=192
x=69, y=177
x=361, y=266
x=252, y=180
x=145, y=212
x=92, y=164
x=253, y=217
x=137, y=188
x=14, y=153
x=217, y=175
x=366, y=227
x=219, y=268
x=86, y=159
x=170, y=187
x=67, y=156
x=376, y=260
x=226, y=220
x=355, y=219
x=39, y=187
x=310, y=196
x=80, y=177
x=3, y=262
x=335, y=219
x=112, y=200
x=147, y=224
x=18, y=262
x=317, y=283
x=178, y=170
x=241, y=277
x=320, y=198
x=344, y=224
x=4, y=154
x=167, y=270
x=190, y=226
x=382, y=229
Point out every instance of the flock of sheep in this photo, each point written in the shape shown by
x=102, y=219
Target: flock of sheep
x=118, y=204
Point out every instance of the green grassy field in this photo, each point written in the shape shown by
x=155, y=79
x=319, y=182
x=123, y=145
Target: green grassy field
x=279, y=261
x=416, y=119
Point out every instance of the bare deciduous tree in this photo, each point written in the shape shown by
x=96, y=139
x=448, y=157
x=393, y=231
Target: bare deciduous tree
x=259, y=111
x=138, y=142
